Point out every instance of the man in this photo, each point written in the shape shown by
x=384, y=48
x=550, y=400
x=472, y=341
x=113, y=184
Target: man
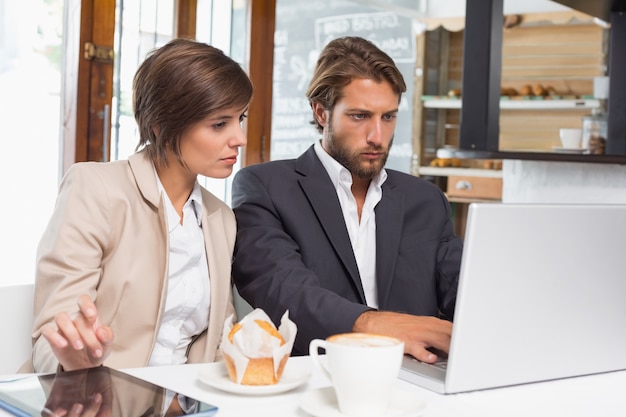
x=336, y=239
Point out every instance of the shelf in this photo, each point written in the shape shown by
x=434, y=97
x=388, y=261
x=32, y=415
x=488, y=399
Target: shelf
x=466, y=172
x=518, y=104
x=540, y=156
x=471, y=200
x=597, y=8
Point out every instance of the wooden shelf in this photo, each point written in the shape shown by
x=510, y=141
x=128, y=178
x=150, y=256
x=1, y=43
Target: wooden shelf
x=518, y=104
x=471, y=200
x=540, y=156
x=466, y=172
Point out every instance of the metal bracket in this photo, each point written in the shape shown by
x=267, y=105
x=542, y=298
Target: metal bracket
x=99, y=53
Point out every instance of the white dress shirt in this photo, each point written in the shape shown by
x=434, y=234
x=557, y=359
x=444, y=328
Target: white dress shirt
x=188, y=291
x=362, y=234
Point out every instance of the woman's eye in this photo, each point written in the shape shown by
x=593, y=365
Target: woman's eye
x=219, y=125
x=243, y=117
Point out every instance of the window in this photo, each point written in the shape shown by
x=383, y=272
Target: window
x=30, y=102
x=144, y=25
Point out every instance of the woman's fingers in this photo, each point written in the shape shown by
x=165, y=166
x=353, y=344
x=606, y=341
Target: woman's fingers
x=81, y=341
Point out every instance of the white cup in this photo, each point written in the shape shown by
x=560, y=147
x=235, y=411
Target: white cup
x=363, y=369
x=571, y=138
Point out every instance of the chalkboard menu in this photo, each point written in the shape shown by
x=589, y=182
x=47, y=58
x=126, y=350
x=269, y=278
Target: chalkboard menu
x=303, y=28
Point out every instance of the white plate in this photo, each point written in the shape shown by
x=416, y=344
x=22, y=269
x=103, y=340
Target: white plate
x=217, y=377
x=567, y=150
x=323, y=403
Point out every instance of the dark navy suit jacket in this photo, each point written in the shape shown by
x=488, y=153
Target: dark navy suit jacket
x=293, y=251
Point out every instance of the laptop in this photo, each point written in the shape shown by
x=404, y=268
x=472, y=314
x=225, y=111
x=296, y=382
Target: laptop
x=542, y=296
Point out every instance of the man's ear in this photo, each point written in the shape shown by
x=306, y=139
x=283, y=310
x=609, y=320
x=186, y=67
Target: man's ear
x=320, y=113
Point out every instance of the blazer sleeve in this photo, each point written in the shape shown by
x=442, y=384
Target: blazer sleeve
x=69, y=255
x=268, y=266
x=448, y=262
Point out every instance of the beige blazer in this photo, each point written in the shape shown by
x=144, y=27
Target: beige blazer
x=108, y=238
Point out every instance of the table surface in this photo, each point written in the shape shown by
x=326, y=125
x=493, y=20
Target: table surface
x=594, y=395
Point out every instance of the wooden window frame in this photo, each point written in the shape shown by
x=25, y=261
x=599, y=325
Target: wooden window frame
x=89, y=82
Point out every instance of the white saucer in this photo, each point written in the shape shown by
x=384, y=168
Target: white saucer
x=217, y=377
x=323, y=403
x=567, y=150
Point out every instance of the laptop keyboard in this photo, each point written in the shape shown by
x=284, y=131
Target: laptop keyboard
x=441, y=363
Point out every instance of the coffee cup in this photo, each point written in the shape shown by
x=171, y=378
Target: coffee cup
x=362, y=368
x=570, y=138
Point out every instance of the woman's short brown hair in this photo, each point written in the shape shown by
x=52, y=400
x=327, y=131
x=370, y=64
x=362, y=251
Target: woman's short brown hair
x=345, y=59
x=180, y=84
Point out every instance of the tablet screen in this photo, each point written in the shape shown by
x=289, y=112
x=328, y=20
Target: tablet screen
x=100, y=392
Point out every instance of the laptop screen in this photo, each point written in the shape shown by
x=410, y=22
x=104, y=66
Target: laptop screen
x=541, y=286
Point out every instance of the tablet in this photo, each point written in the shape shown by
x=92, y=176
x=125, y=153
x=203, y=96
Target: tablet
x=100, y=391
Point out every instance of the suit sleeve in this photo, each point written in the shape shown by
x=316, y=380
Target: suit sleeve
x=69, y=255
x=269, y=271
x=448, y=265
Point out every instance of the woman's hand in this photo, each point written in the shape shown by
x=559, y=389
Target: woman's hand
x=81, y=342
x=88, y=395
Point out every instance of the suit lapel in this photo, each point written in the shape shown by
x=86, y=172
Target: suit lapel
x=217, y=251
x=389, y=221
x=145, y=178
x=323, y=198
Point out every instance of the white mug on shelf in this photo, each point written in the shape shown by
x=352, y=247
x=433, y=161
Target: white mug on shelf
x=362, y=369
x=571, y=138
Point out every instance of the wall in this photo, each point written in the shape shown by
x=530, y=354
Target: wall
x=562, y=182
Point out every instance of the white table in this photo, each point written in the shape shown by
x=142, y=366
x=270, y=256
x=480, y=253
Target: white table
x=589, y=396
x=596, y=395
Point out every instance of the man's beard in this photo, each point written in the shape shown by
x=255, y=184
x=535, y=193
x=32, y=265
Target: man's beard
x=352, y=161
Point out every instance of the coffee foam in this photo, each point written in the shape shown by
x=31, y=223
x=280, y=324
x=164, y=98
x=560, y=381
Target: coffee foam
x=363, y=340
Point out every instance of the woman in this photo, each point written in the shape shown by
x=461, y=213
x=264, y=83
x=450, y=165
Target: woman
x=134, y=266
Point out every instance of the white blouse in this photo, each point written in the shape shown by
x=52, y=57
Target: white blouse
x=188, y=290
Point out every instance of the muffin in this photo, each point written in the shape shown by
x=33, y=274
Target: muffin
x=255, y=351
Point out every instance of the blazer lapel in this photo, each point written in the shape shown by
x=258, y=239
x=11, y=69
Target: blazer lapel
x=323, y=198
x=389, y=221
x=217, y=252
x=145, y=178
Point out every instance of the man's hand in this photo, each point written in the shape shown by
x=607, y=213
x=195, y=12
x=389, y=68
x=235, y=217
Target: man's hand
x=417, y=332
x=81, y=342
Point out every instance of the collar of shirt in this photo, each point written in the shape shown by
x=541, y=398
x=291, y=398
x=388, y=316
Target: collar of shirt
x=340, y=174
x=195, y=199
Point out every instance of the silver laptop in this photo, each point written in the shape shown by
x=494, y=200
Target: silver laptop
x=542, y=296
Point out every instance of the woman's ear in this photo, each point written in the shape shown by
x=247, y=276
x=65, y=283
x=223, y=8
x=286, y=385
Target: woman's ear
x=320, y=113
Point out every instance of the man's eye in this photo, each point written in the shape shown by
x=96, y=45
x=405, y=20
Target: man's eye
x=359, y=116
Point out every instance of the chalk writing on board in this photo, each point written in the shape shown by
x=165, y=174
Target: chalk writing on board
x=387, y=30
x=301, y=33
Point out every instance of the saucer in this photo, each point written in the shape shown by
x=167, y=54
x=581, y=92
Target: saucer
x=323, y=403
x=217, y=377
x=560, y=149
